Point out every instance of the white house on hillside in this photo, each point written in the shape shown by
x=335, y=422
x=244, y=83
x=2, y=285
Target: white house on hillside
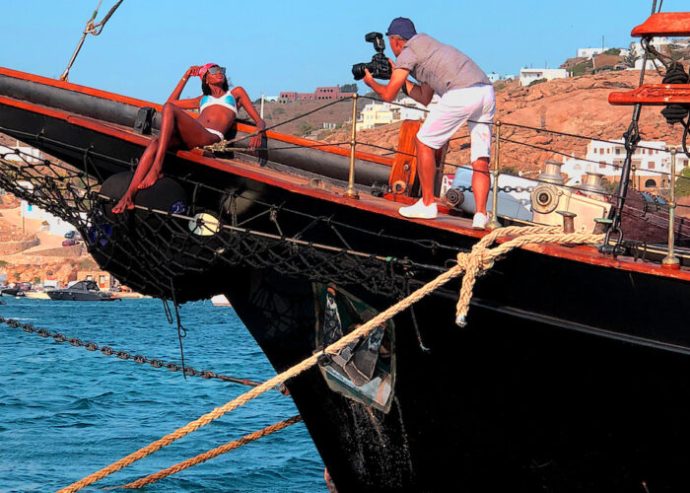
x=382, y=113
x=529, y=75
x=53, y=225
x=648, y=66
x=652, y=164
x=412, y=110
x=375, y=114
x=589, y=52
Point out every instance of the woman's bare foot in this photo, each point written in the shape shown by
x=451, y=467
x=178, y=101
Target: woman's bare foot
x=124, y=204
x=151, y=177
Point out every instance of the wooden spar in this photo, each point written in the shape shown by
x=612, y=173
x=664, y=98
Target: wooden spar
x=653, y=94
x=664, y=24
x=329, y=160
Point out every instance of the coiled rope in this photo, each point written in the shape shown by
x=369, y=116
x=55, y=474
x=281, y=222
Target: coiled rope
x=471, y=264
x=675, y=113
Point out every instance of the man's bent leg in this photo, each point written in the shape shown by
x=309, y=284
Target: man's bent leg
x=425, y=208
x=481, y=182
x=426, y=169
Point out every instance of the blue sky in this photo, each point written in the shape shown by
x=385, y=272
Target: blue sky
x=270, y=46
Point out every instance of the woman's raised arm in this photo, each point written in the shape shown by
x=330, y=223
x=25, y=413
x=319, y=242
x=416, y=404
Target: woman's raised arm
x=192, y=71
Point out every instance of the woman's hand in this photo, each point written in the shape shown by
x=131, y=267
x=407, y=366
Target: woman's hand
x=255, y=141
x=193, y=71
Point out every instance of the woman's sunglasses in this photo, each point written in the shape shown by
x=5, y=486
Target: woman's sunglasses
x=216, y=70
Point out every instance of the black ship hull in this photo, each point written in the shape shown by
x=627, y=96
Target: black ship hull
x=568, y=377
x=506, y=404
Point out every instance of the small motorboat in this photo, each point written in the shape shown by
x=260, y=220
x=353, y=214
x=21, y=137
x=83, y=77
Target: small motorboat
x=220, y=300
x=11, y=291
x=81, y=291
x=36, y=295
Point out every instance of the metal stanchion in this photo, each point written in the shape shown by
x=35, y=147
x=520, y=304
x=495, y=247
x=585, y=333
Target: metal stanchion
x=493, y=224
x=670, y=261
x=351, y=192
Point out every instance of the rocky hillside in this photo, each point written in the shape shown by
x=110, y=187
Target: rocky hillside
x=307, y=118
x=577, y=105
x=29, y=254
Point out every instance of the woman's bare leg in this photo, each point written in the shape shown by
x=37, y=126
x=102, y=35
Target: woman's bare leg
x=176, y=124
x=143, y=168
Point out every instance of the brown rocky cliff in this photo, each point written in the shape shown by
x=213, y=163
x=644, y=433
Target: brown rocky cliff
x=28, y=255
x=577, y=105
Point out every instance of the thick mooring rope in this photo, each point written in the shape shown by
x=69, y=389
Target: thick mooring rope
x=215, y=452
x=472, y=264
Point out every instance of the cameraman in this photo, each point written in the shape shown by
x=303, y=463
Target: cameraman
x=466, y=95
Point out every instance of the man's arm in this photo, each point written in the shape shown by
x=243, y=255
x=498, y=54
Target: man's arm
x=421, y=93
x=389, y=91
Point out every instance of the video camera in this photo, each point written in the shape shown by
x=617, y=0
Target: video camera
x=379, y=66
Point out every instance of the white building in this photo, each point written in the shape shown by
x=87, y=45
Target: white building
x=375, y=114
x=496, y=77
x=29, y=155
x=382, y=113
x=51, y=224
x=648, y=66
x=589, y=52
x=529, y=75
x=20, y=154
x=658, y=43
x=412, y=110
x=651, y=162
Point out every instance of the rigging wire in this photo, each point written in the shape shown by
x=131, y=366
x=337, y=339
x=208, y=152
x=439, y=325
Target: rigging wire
x=92, y=28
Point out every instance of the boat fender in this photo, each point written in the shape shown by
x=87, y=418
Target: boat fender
x=204, y=224
x=144, y=120
x=166, y=194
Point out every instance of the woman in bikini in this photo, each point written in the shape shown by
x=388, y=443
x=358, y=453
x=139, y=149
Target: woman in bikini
x=218, y=107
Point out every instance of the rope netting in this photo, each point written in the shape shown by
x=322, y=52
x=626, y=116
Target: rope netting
x=168, y=250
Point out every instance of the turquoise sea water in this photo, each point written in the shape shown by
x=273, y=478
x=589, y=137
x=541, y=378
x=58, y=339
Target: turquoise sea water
x=66, y=412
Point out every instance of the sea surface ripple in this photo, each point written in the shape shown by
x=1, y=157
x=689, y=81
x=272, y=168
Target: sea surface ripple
x=66, y=412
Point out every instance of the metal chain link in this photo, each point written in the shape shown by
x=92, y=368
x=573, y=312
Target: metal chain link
x=506, y=189
x=124, y=355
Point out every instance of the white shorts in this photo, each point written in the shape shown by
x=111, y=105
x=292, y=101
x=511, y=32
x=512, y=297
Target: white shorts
x=475, y=105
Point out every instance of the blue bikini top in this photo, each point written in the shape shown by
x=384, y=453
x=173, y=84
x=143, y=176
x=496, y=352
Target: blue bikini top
x=227, y=100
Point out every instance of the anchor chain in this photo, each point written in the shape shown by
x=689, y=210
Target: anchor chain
x=124, y=355
x=506, y=189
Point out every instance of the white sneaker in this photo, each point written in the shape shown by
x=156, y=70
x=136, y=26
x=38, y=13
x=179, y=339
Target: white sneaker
x=420, y=211
x=479, y=220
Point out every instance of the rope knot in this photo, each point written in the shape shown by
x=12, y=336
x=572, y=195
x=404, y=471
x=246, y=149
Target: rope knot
x=482, y=258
